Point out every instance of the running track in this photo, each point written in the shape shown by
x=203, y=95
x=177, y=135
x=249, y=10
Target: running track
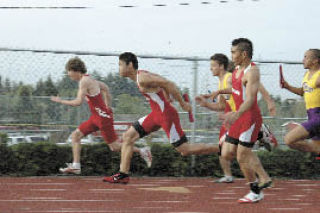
x=176, y=195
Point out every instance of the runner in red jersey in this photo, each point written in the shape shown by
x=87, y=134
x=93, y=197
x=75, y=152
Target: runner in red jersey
x=219, y=65
x=157, y=91
x=99, y=100
x=244, y=124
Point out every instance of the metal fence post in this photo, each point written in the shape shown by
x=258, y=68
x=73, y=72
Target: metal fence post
x=194, y=94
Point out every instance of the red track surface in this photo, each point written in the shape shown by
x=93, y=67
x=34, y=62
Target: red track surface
x=192, y=195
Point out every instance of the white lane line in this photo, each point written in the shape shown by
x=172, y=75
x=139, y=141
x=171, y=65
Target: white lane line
x=296, y=199
x=92, y=179
x=238, y=187
x=48, y=190
x=195, y=186
x=143, y=185
x=224, y=198
x=60, y=200
x=153, y=207
x=267, y=194
x=187, y=212
x=286, y=209
x=42, y=198
x=226, y=203
x=98, y=211
x=225, y=193
x=277, y=188
x=166, y=201
x=113, y=190
x=307, y=189
x=39, y=183
x=304, y=204
x=298, y=195
x=308, y=185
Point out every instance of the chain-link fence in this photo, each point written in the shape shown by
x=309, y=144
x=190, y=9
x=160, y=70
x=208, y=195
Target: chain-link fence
x=29, y=78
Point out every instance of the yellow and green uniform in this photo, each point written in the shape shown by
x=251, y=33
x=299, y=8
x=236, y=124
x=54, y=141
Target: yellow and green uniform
x=311, y=92
x=224, y=85
x=312, y=99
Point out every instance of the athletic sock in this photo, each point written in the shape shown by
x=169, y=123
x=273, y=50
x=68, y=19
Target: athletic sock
x=255, y=187
x=123, y=174
x=76, y=165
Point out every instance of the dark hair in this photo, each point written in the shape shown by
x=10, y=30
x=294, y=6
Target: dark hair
x=244, y=44
x=76, y=64
x=231, y=67
x=316, y=54
x=129, y=57
x=221, y=59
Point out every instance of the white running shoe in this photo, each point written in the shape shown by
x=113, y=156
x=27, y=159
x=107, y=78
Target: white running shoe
x=70, y=170
x=251, y=197
x=145, y=153
x=225, y=179
x=290, y=125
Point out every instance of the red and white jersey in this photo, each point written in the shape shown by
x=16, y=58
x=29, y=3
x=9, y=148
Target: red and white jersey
x=97, y=106
x=239, y=90
x=157, y=100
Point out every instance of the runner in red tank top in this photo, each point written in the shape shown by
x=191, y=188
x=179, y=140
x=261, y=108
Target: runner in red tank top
x=244, y=124
x=99, y=100
x=219, y=64
x=157, y=91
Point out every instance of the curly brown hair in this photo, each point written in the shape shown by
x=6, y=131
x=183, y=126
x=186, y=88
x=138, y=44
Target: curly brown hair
x=76, y=64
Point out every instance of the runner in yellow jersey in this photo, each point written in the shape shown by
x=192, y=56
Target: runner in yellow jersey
x=310, y=90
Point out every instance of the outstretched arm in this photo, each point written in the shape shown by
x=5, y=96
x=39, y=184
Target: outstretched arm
x=268, y=99
x=154, y=81
x=295, y=90
x=215, y=106
x=80, y=96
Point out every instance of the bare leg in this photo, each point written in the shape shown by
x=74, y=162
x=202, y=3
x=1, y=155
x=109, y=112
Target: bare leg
x=226, y=166
x=249, y=163
x=295, y=139
x=258, y=168
x=76, y=145
x=229, y=151
x=116, y=146
x=197, y=149
x=127, y=148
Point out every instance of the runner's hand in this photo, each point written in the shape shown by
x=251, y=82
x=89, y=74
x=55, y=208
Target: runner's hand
x=186, y=106
x=56, y=99
x=201, y=100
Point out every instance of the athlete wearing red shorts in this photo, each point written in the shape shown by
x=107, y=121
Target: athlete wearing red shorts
x=101, y=119
x=99, y=100
x=245, y=129
x=163, y=115
x=244, y=124
x=157, y=91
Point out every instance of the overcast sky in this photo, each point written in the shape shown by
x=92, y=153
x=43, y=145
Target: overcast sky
x=279, y=29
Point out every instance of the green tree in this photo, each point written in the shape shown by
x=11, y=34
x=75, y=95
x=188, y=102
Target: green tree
x=39, y=90
x=67, y=87
x=127, y=104
x=49, y=87
x=119, y=85
x=24, y=109
x=7, y=85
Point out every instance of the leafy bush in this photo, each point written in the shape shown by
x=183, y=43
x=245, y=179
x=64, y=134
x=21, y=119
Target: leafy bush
x=46, y=158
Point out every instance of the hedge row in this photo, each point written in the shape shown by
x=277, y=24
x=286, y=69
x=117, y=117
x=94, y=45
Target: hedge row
x=39, y=159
